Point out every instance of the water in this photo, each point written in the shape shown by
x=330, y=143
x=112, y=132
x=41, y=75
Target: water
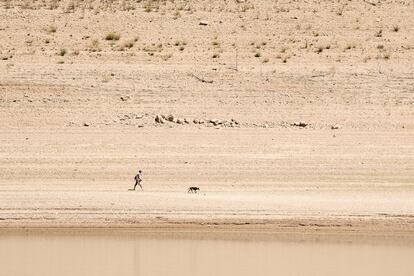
x=61, y=254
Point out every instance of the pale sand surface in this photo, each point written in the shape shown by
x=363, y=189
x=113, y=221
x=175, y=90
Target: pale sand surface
x=280, y=178
x=74, y=129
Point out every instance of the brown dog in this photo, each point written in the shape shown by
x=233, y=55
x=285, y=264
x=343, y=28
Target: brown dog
x=193, y=190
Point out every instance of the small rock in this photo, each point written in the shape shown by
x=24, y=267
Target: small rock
x=203, y=23
x=180, y=121
x=216, y=122
x=171, y=118
x=124, y=98
x=265, y=125
x=336, y=126
x=187, y=121
x=86, y=124
x=159, y=119
x=196, y=121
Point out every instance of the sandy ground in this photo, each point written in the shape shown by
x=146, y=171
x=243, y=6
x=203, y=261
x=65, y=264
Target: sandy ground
x=255, y=177
x=315, y=103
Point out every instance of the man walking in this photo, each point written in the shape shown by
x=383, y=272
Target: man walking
x=138, y=180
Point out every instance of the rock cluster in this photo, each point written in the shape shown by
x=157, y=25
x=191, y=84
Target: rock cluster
x=131, y=116
x=162, y=119
x=217, y=122
x=300, y=124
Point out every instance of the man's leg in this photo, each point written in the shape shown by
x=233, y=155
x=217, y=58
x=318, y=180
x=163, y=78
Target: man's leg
x=136, y=183
x=139, y=183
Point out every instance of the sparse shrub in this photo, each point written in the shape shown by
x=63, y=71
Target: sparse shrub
x=166, y=57
x=62, y=52
x=51, y=29
x=216, y=55
x=378, y=33
x=395, y=28
x=177, y=14
x=366, y=59
x=350, y=46
x=112, y=36
x=257, y=54
x=94, y=47
x=128, y=44
x=384, y=55
x=265, y=60
x=181, y=48
x=319, y=49
x=70, y=7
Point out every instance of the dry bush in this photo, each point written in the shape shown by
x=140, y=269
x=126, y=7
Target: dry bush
x=94, y=46
x=62, y=52
x=166, y=57
x=128, y=44
x=51, y=29
x=112, y=36
x=378, y=33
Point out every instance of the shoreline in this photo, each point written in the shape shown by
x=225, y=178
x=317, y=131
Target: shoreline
x=347, y=226
x=268, y=232
x=300, y=210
